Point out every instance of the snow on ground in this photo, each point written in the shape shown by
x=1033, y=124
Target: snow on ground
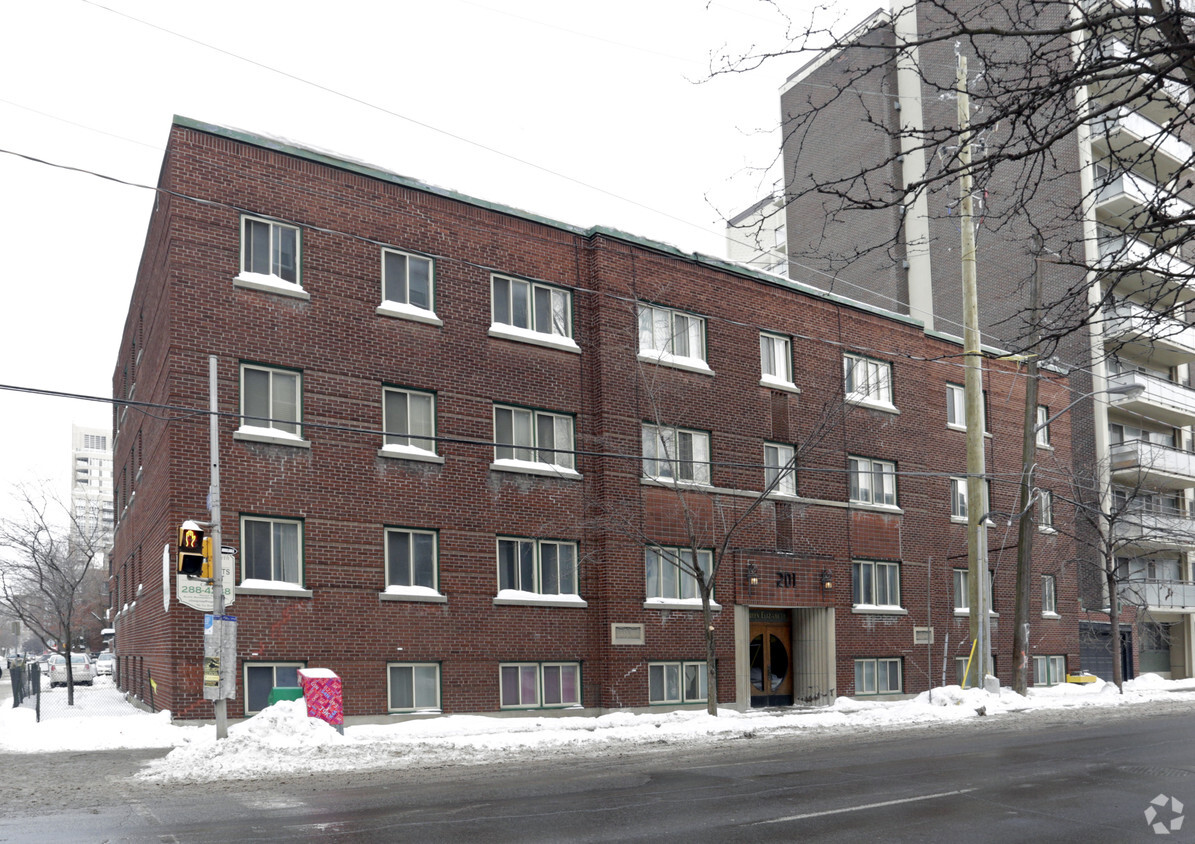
x=282, y=740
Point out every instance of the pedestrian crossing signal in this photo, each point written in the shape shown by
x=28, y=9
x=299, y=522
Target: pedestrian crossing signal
x=190, y=550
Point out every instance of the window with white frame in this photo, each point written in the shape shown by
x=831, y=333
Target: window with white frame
x=261, y=678
x=408, y=421
x=676, y=682
x=536, y=685
x=775, y=359
x=1041, y=432
x=1045, y=510
x=542, y=566
x=872, y=481
x=413, y=687
x=962, y=597
x=875, y=583
x=1049, y=670
x=532, y=306
x=271, y=399
x=1049, y=595
x=670, y=335
x=676, y=454
x=671, y=572
x=867, y=380
x=958, y=499
x=956, y=408
x=779, y=471
x=411, y=558
x=877, y=676
x=270, y=249
x=407, y=279
x=272, y=549
x=529, y=436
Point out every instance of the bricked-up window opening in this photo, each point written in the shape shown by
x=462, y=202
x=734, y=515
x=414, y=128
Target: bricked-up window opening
x=872, y=481
x=867, y=381
x=956, y=408
x=270, y=399
x=777, y=461
x=413, y=687
x=530, y=306
x=1049, y=670
x=878, y=676
x=676, y=454
x=676, y=682
x=539, y=685
x=409, y=420
x=261, y=678
x=958, y=499
x=272, y=549
x=671, y=336
x=669, y=572
x=875, y=584
x=544, y=567
x=962, y=599
x=1042, y=433
x=411, y=558
x=1049, y=595
x=407, y=279
x=775, y=358
x=524, y=436
x=269, y=248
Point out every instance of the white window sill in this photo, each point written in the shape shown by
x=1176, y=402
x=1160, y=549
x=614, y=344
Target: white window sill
x=966, y=613
x=678, y=604
x=782, y=496
x=249, y=433
x=687, y=364
x=958, y=520
x=528, y=467
x=963, y=429
x=778, y=384
x=421, y=594
x=647, y=480
x=536, y=338
x=1044, y=446
x=862, y=401
x=406, y=452
x=1052, y=615
x=519, y=598
x=401, y=310
x=875, y=609
x=277, y=588
x=1048, y=531
x=877, y=508
x=270, y=284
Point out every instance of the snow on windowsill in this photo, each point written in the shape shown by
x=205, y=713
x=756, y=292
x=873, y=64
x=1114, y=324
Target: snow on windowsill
x=538, y=338
x=1052, y=615
x=530, y=467
x=666, y=359
x=677, y=604
x=254, y=586
x=878, y=609
x=270, y=284
x=863, y=401
x=413, y=593
x=772, y=382
x=402, y=310
x=516, y=597
x=255, y=433
x=409, y=452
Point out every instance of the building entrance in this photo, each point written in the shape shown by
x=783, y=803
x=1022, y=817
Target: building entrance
x=770, y=652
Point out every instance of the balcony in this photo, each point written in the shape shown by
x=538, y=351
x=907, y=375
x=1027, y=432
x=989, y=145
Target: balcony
x=1157, y=399
x=1138, y=267
x=1145, y=335
x=1151, y=465
x=1147, y=531
x=1130, y=138
x=1131, y=201
x=1138, y=86
x=1177, y=596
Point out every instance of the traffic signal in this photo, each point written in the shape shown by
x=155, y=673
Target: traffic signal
x=207, y=558
x=190, y=550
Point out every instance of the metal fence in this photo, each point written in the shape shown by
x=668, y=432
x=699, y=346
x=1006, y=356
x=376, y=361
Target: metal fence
x=100, y=696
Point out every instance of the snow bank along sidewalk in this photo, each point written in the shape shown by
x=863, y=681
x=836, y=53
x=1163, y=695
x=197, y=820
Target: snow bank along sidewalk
x=282, y=740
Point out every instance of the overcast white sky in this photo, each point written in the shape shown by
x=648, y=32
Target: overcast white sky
x=603, y=94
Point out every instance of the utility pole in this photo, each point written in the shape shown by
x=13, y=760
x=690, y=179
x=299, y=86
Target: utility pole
x=220, y=703
x=977, y=537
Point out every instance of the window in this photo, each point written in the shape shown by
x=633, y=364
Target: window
x=412, y=687
x=533, y=307
x=409, y=421
x=261, y=678
x=272, y=549
x=533, y=436
x=1049, y=670
x=877, y=676
x=875, y=584
x=411, y=558
x=269, y=248
x=545, y=567
x=872, y=481
x=534, y=685
x=775, y=359
x=676, y=454
x=671, y=336
x=406, y=279
x=670, y=572
x=1042, y=427
x=1049, y=599
x=867, y=380
x=956, y=408
x=958, y=499
x=962, y=599
x=779, y=473
x=1045, y=511
x=676, y=682
x=270, y=399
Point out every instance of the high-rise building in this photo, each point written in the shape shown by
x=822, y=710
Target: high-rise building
x=91, y=486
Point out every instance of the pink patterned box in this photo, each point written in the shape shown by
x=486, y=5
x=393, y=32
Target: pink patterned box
x=322, y=691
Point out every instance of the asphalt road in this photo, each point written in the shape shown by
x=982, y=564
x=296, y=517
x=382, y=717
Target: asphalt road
x=1078, y=777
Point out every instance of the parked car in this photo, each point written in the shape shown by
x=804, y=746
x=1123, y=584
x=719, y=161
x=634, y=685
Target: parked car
x=82, y=669
x=105, y=664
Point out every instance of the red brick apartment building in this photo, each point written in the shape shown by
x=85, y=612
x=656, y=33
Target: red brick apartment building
x=458, y=442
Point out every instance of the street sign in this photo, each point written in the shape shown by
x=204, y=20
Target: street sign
x=198, y=595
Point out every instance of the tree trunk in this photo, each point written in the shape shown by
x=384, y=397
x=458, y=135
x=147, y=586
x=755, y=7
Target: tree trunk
x=711, y=674
x=1114, y=618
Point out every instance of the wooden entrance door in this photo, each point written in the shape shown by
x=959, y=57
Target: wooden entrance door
x=770, y=653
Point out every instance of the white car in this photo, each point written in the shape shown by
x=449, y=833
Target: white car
x=82, y=670
x=105, y=664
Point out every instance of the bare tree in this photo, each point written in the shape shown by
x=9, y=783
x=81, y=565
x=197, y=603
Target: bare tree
x=47, y=571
